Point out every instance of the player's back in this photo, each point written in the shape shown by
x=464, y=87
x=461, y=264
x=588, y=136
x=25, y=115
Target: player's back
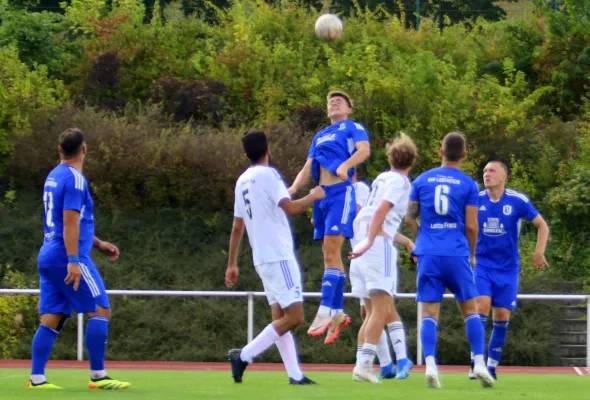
x=65, y=189
x=443, y=193
x=394, y=188
x=258, y=193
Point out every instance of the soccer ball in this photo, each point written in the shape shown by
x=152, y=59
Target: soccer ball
x=328, y=27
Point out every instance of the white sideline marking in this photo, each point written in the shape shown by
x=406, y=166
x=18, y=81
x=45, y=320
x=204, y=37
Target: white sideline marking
x=13, y=376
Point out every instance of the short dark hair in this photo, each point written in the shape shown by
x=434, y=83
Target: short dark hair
x=454, y=145
x=502, y=164
x=70, y=142
x=340, y=93
x=255, y=145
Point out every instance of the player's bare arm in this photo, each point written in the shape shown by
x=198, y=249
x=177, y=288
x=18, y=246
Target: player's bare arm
x=374, y=227
x=542, y=237
x=237, y=233
x=71, y=236
x=363, y=151
x=302, y=177
x=106, y=248
x=412, y=217
x=471, y=228
x=404, y=241
x=294, y=207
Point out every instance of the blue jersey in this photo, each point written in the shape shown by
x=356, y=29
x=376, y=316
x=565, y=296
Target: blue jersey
x=499, y=228
x=65, y=189
x=335, y=144
x=443, y=193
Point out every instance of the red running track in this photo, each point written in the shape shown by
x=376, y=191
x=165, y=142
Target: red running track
x=216, y=366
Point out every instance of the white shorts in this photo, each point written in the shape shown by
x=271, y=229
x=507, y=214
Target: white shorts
x=282, y=282
x=376, y=270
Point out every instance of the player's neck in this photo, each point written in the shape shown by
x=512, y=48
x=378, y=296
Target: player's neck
x=401, y=171
x=451, y=164
x=73, y=163
x=495, y=193
x=337, y=119
x=262, y=163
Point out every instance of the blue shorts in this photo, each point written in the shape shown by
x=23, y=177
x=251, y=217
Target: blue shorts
x=437, y=273
x=500, y=285
x=58, y=298
x=335, y=213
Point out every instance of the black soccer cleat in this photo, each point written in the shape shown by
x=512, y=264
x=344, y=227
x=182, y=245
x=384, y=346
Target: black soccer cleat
x=303, y=381
x=237, y=365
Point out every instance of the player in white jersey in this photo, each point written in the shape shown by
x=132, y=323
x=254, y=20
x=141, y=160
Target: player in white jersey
x=373, y=271
x=261, y=207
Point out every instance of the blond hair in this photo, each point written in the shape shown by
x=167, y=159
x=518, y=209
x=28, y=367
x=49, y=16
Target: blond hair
x=340, y=93
x=401, y=152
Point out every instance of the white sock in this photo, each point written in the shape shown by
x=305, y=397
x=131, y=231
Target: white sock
x=368, y=355
x=324, y=310
x=37, y=379
x=98, y=374
x=430, y=363
x=492, y=362
x=286, y=346
x=472, y=356
x=398, y=338
x=335, y=312
x=383, y=353
x=478, y=359
x=262, y=342
x=359, y=354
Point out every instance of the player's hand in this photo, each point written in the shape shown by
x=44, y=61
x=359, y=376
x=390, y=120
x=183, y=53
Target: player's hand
x=410, y=247
x=539, y=261
x=74, y=275
x=317, y=193
x=342, y=171
x=109, y=249
x=231, y=276
x=359, y=250
x=473, y=261
x=312, y=222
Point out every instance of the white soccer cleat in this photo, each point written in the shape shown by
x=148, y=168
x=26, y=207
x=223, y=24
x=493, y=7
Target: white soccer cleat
x=481, y=372
x=362, y=374
x=431, y=376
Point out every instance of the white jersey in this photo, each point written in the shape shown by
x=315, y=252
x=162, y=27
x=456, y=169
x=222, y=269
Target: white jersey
x=392, y=187
x=258, y=193
x=362, y=191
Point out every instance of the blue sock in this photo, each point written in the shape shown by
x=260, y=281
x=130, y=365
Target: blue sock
x=497, y=341
x=475, y=334
x=42, y=346
x=338, y=299
x=329, y=286
x=96, y=341
x=428, y=335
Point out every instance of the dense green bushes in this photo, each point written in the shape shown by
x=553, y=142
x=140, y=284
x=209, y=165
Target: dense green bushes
x=164, y=101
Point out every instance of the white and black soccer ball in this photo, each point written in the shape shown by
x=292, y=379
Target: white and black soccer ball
x=328, y=27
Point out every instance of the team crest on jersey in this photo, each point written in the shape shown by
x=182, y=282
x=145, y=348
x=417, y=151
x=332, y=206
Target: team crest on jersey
x=507, y=210
x=342, y=127
x=493, y=227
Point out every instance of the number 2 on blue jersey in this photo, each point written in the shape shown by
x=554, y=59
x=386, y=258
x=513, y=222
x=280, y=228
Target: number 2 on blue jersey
x=48, y=203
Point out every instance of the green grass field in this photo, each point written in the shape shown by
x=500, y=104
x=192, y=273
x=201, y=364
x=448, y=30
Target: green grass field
x=174, y=385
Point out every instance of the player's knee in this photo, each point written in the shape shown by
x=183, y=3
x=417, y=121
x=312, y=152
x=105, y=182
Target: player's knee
x=501, y=314
x=53, y=321
x=101, y=312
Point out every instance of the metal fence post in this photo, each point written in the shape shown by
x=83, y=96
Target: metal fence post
x=80, y=341
x=250, y=317
x=418, y=337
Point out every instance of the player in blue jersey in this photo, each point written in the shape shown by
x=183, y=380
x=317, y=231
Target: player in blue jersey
x=500, y=215
x=334, y=153
x=68, y=277
x=446, y=201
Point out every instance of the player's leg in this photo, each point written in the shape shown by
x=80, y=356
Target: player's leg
x=339, y=219
x=460, y=281
x=362, y=370
x=331, y=277
x=54, y=310
x=430, y=290
x=503, y=302
x=483, y=302
x=91, y=299
x=282, y=284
